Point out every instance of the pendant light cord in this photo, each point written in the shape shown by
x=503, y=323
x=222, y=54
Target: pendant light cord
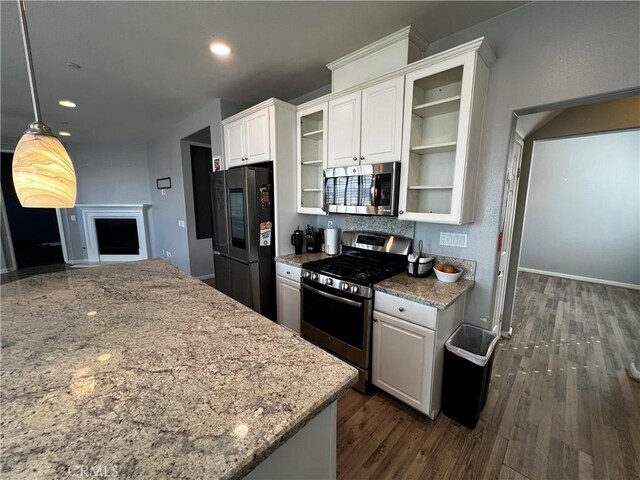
x=27, y=53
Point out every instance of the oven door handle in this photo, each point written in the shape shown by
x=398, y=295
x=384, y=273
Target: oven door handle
x=353, y=303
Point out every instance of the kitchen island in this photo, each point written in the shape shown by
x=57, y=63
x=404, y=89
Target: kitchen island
x=139, y=370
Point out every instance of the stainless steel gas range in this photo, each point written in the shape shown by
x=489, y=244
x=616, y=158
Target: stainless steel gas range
x=337, y=295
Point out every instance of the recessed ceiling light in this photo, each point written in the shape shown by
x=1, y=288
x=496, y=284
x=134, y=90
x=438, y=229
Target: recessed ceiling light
x=64, y=134
x=220, y=49
x=67, y=103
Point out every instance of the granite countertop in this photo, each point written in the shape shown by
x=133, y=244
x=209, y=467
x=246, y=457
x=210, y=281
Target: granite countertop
x=297, y=260
x=142, y=368
x=428, y=290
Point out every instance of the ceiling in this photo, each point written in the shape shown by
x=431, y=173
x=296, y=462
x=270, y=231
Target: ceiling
x=145, y=64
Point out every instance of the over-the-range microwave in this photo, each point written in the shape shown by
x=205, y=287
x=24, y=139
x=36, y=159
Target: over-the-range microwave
x=363, y=189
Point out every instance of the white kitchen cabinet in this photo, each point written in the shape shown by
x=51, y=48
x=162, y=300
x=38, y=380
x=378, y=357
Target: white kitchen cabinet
x=403, y=360
x=366, y=126
x=248, y=140
x=311, y=158
x=288, y=296
x=408, y=349
x=443, y=114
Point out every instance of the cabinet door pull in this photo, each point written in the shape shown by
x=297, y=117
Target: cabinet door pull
x=401, y=309
x=375, y=319
x=355, y=159
x=401, y=212
x=362, y=158
x=288, y=272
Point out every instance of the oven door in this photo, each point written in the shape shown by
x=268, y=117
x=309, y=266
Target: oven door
x=340, y=323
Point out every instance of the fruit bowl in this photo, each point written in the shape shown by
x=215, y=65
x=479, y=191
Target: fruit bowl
x=448, y=277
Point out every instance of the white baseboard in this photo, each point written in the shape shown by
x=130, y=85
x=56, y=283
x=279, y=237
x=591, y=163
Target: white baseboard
x=207, y=276
x=6, y=270
x=579, y=278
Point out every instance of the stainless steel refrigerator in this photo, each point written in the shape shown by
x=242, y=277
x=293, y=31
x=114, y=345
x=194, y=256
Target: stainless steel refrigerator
x=244, y=236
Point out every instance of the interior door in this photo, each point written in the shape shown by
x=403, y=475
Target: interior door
x=257, y=137
x=234, y=150
x=344, y=130
x=506, y=231
x=382, y=107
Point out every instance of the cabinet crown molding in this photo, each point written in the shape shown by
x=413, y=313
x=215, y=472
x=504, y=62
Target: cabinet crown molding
x=405, y=32
x=481, y=45
x=267, y=103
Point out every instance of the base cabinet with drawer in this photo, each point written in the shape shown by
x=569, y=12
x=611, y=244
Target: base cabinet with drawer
x=288, y=296
x=408, y=349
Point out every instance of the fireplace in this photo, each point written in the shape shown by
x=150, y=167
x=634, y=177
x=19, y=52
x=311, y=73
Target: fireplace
x=115, y=233
x=117, y=236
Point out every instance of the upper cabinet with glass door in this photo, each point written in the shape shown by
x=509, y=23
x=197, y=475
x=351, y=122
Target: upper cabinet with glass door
x=311, y=158
x=443, y=112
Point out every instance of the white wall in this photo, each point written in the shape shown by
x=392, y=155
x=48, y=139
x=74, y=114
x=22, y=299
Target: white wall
x=583, y=208
x=548, y=52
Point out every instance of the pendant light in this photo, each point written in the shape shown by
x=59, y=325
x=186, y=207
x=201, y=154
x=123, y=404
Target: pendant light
x=43, y=174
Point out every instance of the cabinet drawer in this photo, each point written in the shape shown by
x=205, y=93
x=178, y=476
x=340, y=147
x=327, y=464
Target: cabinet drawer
x=288, y=271
x=413, y=312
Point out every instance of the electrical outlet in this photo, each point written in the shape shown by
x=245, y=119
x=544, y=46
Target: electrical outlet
x=329, y=224
x=181, y=223
x=72, y=218
x=163, y=192
x=163, y=252
x=453, y=239
x=168, y=254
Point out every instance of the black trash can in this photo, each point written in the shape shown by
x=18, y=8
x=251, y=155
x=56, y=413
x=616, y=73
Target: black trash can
x=468, y=358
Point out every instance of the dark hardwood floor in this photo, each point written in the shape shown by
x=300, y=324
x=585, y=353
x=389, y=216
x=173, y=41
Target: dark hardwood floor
x=560, y=406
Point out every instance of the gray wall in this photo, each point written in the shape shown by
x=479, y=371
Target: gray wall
x=105, y=174
x=583, y=207
x=548, y=52
x=168, y=157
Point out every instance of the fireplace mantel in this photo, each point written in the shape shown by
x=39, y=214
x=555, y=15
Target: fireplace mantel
x=136, y=211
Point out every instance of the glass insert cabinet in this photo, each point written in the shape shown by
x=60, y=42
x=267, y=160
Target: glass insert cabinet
x=311, y=157
x=443, y=111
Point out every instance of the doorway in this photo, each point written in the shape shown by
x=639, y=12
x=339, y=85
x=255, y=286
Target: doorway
x=35, y=235
x=587, y=119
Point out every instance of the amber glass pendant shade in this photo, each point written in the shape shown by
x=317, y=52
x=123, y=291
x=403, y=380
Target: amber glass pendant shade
x=43, y=174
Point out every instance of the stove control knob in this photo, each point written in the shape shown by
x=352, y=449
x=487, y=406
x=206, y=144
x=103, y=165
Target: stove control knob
x=314, y=276
x=355, y=289
x=345, y=287
x=328, y=281
x=307, y=274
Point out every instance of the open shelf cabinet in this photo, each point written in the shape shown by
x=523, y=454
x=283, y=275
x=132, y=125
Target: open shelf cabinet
x=441, y=139
x=312, y=150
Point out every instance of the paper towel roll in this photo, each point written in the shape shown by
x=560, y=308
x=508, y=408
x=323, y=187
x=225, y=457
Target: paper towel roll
x=332, y=241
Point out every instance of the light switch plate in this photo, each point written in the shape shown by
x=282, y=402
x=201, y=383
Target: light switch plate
x=181, y=223
x=72, y=217
x=453, y=239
